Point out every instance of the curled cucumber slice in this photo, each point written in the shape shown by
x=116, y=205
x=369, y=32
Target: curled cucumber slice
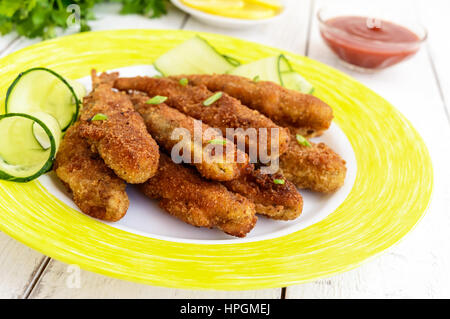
x=294, y=81
x=44, y=90
x=275, y=69
x=28, y=145
x=194, y=56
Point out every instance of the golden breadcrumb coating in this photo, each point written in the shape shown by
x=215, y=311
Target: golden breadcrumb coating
x=304, y=113
x=96, y=190
x=186, y=195
x=225, y=112
x=276, y=201
x=162, y=122
x=316, y=167
x=122, y=139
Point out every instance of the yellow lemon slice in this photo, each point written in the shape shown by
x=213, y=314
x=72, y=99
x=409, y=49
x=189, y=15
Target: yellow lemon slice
x=248, y=11
x=214, y=5
x=272, y=4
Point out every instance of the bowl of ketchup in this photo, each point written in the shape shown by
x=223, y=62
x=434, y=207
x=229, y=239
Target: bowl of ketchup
x=368, y=43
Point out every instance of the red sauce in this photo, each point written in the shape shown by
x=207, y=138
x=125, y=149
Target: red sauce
x=369, y=43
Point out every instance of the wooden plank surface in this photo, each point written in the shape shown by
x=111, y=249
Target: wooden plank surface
x=418, y=266
x=438, y=43
x=59, y=281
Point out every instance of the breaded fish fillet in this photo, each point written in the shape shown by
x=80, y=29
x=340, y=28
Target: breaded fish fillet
x=95, y=188
x=162, y=122
x=303, y=113
x=186, y=195
x=315, y=167
x=225, y=112
x=121, y=139
x=277, y=201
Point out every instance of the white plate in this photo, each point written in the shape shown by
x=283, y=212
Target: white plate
x=144, y=217
x=224, y=22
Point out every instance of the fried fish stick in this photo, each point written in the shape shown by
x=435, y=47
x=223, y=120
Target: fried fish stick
x=225, y=112
x=120, y=137
x=162, y=122
x=303, y=113
x=277, y=201
x=315, y=167
x=186, y=195
x=95, y=189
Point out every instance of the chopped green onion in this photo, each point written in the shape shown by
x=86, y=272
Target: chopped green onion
x=218, y=142
x=99, y=117
x=157, y=99
x=302, y=141
x=256, y=78
x=184, y=81
x=157, y=76
x=279, y=181
x=212, y=99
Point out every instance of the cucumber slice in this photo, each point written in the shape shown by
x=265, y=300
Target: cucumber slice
x=41, y=136
x=268, y=69
x=194, y=56
x=22, y=156
x=294, y=81
x=41, y=89
x=275, y=69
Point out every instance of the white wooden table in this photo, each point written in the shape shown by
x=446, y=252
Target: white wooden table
x=420, y=88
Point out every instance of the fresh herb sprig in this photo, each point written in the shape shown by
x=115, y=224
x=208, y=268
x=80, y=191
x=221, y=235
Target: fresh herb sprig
x=41, y=18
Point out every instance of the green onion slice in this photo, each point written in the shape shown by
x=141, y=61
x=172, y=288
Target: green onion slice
x=217, y=141
x=99, y=117
x=184, y=81
x=158, y=99
x=302, y=141
x=213, y=98
x=279, y=181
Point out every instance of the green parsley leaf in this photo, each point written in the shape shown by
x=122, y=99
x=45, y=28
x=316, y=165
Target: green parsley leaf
x=40, y=18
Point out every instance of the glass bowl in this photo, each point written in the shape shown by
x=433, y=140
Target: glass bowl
x=360, y=52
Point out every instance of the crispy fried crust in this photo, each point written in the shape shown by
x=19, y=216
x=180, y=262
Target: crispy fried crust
x=226, y=112
x=122, y=139
x=95, y=188
x=317, y=167
x=187, y=196
x=303, y=113
x=276, y=201
x=162, y=122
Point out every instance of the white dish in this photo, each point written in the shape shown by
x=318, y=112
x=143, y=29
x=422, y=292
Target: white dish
x=144, y=216
x=224, y=22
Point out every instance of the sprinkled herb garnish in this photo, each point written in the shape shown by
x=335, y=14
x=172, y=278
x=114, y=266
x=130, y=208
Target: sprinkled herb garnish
x=212, y=99
x=157, y=99
x=279, y=181
x=99, y=117
x=217, y=141
x=302, y=141
x=184, y=81
x=157, y=76
x=256, y=78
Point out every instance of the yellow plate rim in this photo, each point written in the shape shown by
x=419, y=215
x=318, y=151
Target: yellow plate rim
x=391, y=193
